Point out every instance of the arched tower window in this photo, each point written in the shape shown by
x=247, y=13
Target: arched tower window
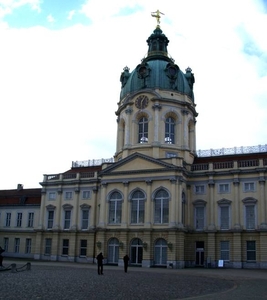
x=169, y=130
x=143, y=130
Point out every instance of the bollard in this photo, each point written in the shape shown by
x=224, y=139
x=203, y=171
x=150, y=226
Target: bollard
x=13, y=268
x=28, y=267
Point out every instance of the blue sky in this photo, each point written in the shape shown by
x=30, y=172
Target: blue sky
x=61, y=62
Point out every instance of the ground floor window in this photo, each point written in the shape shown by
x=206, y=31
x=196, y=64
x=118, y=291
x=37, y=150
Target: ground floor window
x=28, y=246
x=225, y=251
x=160, y=250
x=113, y=251
x=6, y=242
x=65, y=247
x=251, y=250
x=48, y=245
x=83, y=248
x=17, y=243
x=136, y=255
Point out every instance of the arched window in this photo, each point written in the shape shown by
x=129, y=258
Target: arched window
x=161, y=214
x=113, y=251
x=169, y=130
x=143, y=130
x=160, y=250
x=115, y=205
x=137, y=207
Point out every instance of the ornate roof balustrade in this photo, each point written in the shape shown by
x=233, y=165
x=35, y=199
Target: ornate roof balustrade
x=91, y=162
x=232, y=151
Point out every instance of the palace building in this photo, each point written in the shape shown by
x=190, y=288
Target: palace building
x=158, y=199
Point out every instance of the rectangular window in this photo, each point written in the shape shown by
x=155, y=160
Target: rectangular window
x=137, y=211
x=200, y=217
x=86, y=195
x=224, y=217
x=30, y=219
x=83, y=248
x=161, y=211
x=28, y=246
x=52, y=196
x=65, y=247
x=225, y=250
x=250, y=216
x=16, y=246
x=249, y=187
x=50, y=219
x=68, y=195
x=115, y=207
x=48, y=246
x=85, y=218
x=199, y=189
x=224, y=188
x=251, y=250
x=67, y=219
x=6, y=242
x=8, y=219
x=19, y=219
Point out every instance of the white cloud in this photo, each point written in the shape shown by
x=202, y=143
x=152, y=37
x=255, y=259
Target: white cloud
x=60, y=87
x=50, y=18
x=71, y=14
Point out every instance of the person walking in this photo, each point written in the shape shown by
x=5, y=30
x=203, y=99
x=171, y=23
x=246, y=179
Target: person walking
x=126, y=262
x=100, y=258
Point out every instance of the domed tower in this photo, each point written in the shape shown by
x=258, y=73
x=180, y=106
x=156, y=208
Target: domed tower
x=156, y=112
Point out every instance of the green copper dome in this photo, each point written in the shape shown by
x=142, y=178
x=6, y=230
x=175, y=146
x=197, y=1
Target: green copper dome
x=157, y=71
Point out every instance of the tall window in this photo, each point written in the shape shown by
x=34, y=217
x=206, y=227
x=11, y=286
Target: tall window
x=85, y=218
x=225, y=250
x=250, y=216
x=16, y=245
x=224, y=217
x=6, y=242
x=30, y=219
x=160, y=252
x=115, y=206
x=143, y=130
x=251, y=250
x=161, y=210
x=19, y=219
x=138, y=207
x=83, y=247
x=169, y=130
x=67, y=217
x=65, y=247
x=200, y=214
x=8, y=219
x=48, y=246
x=50, y=219
x=28, y=246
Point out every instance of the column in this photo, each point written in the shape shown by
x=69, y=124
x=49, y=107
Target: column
x=103, y=204
x=128, y=112
x=237, y=250
x=211, y=247
x=58, y=208
x=236, y=212
x=172, y=204
x=93, y=209
x=148, y=205
x=211, y=221
x=125, y=211
x=157, y=108
x=262, y=205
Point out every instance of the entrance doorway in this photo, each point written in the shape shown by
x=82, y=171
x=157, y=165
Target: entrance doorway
x=199, y=254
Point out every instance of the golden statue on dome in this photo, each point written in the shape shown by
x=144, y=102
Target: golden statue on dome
x=156, y=15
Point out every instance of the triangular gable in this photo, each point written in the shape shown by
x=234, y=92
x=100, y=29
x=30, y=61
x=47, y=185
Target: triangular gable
x=137, y=162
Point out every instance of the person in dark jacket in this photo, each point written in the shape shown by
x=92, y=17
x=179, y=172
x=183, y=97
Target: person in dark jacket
x=1, y=257
x=126, y=262
x=100, y=258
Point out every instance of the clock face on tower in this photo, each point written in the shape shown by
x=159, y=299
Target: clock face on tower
x=141, y=102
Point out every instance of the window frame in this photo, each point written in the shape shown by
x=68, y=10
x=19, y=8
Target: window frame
x=8, y=219
x=83, y=248
x=65, y=247
x=169, y=130
x=19, y=219
x=222, y=189
x=28, y=246
x=84, y=197
x=251, y=251
x=48, y=246
x=30, y=219
x=115, y=208
x=143, y=130
x=138, y=201
x=16, y=245
x=161, y=200
x=225, y=253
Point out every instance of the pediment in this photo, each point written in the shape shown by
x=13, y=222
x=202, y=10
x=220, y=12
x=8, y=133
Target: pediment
x=137, y=162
